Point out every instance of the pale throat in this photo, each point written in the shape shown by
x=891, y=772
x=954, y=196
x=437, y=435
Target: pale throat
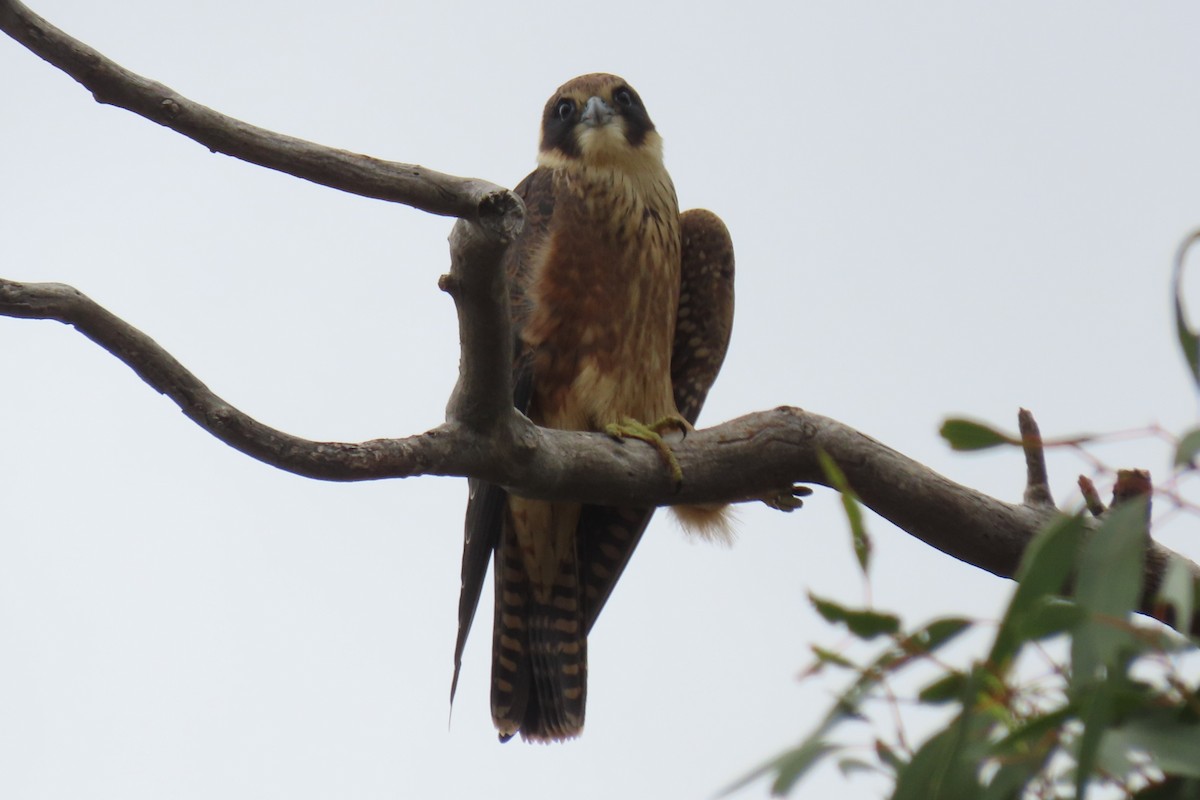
x=606, y=156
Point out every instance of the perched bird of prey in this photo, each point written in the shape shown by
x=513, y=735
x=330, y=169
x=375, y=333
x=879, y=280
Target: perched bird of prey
x=622, y=309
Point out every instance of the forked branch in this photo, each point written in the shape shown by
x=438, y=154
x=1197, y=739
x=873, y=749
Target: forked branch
x=754, y=456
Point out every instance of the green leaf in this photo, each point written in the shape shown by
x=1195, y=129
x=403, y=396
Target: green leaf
x=1031, y=739
x=1188, y=340
x=1024, y=753
x=1188, y=449
x=825, y=656
x=865, y=624
x=1050, y=616
x=791, y=767
x=1174, y=746
x=1096, y=714
x=888, y=757
x=944, y=768
x=966, y=434
x=946, y=689
x=1178, y=591
x=1108, y=586
x=797, y=760
x=1009, y=781
x=1171, y=789
x=938, y=633
x=1112, y=756
x=849, y=766
x=1044, y=570
x=860, y=539
x=788, y=767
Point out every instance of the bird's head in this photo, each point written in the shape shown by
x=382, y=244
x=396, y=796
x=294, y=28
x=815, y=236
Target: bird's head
x=598, y=120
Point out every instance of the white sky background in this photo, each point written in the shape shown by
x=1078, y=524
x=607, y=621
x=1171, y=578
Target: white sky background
x=950, y=210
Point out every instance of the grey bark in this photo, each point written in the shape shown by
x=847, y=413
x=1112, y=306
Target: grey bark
x=754, y=456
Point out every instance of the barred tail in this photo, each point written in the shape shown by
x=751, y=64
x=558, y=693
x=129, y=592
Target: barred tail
x=539, y=651
x=607, y=538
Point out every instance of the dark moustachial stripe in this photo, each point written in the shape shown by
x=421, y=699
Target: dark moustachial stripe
x=637, y=120
x=561, y=115
x=558, y=133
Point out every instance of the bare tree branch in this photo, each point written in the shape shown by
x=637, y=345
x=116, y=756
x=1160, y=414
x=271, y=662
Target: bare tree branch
x=477, y=284
x=1091, y=497
x=484, y=437
x=494, y=207
x=738, y=460
x=1037, y=482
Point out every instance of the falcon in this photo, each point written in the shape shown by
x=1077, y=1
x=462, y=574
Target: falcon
x=622, y=309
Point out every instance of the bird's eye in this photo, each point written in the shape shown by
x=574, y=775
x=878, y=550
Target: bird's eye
x=564, y=109
x=623, y=97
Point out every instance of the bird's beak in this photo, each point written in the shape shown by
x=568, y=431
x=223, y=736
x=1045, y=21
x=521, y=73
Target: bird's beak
x=596, y=113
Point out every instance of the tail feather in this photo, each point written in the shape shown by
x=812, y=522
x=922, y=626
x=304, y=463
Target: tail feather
x=539, y=651
x=558, y=659
x=607, y=538
x=510, y=671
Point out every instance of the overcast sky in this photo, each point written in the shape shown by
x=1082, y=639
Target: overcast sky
x=956, y=208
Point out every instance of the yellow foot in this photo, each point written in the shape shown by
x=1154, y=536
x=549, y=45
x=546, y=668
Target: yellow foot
x=652, y=434
x=787, y=500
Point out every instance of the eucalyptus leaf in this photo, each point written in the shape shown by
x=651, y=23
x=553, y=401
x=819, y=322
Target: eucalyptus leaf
x=863, y=623
x=1009, y=780
x=849, y=766
x=1189, y=343
x=1188, y=449
x=1044, y=570
x=940, y=632
x=945, y=767
x=1174, y=746
x=1107, y=587
x=1096, y=714
x=1172, y=788
x=945, y=689
x=860, y=539
x=966, y=435
x=791, y=766
x=826, y=656
x=1050, y=616
x=1178, y=590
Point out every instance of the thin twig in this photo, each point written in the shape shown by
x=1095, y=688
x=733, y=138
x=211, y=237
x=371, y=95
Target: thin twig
x=1037, y=482
x=1091, y=497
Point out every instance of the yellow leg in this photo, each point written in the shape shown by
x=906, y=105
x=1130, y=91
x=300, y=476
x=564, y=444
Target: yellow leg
x=652, y=434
